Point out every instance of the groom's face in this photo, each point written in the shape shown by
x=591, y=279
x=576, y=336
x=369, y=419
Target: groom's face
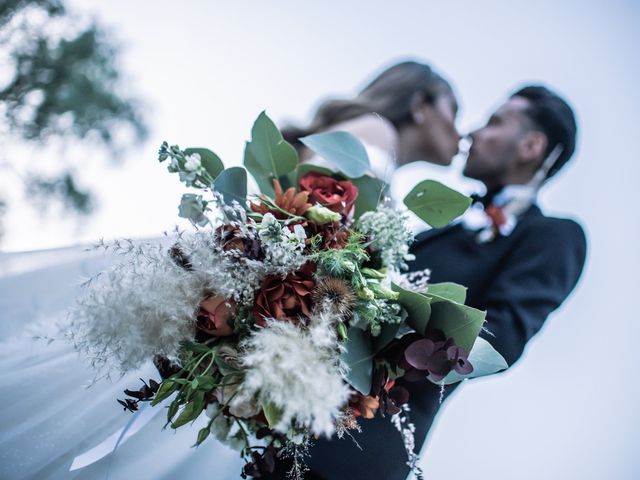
x=495, y=146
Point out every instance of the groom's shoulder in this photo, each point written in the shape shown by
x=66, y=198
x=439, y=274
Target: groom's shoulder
x=541, y=224
x=562, y=234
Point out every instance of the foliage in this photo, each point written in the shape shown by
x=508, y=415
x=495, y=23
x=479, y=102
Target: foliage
x=61, y=83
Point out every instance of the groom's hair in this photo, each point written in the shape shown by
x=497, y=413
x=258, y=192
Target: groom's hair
x=554, y=117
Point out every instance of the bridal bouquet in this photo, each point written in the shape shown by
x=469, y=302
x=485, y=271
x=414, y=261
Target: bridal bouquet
x=286, y=315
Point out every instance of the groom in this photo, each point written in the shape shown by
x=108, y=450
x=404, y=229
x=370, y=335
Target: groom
x=518, y=264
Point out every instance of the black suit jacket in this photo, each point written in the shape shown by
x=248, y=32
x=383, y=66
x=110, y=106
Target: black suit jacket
x=519, y=280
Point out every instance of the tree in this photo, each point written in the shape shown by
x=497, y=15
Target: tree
x=64, y=84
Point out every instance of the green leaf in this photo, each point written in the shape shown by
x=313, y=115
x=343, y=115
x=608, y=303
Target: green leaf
x=449, y=290
x=436, y=203
x=358, y=357
x=192, y=207
x=232, y=184
x=262, y=176
x=202, y=435
x=485, y=360
x=461, y=322
x=268, y=155
x=206, y=383
x=172, y=410
x=342, y=150
x=191, y=411
x=166, y=389
x=272, y=413
x=388, y=332
x=370, y=191
x=418, y=307
x=210, y=161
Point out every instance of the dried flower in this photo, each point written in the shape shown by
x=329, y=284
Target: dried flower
x=298, y=371
x=334, y=295
x=437, y=356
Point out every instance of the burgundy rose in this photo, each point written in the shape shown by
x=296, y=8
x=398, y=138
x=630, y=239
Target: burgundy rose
x=287, y=299
x=338, y=196
x=215, y=313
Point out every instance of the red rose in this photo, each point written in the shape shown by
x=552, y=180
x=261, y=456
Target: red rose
x=215, y=313
x=337, y=196
x=286, y=299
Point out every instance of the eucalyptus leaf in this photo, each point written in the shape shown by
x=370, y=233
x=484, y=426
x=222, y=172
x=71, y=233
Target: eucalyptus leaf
x=358, y=357
x=192, y=207
x=388, y=332
x=417, y=306
x=370, y=191
x=268, y=155
x=449, y=290
x=232, y=184
x=460, y=322
x=209, y=160
x=341, y=149
x=263, y=177
x=436, y=203
x=485, y=360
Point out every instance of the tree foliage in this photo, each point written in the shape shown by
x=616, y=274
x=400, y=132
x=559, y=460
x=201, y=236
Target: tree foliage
x=63, y=83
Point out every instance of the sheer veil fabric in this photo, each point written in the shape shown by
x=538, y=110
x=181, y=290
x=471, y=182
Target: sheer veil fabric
x=48, y=417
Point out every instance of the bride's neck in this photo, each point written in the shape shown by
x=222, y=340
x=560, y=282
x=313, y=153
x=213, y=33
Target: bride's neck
x=405, y=145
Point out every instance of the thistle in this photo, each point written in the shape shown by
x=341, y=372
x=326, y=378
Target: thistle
x=334, y=295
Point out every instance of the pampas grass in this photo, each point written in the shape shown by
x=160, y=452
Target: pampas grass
x=297, y=370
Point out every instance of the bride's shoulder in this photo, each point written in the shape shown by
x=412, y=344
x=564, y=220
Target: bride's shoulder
x=372, y=129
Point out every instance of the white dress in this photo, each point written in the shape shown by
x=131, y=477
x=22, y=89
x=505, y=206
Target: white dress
x=48, y=417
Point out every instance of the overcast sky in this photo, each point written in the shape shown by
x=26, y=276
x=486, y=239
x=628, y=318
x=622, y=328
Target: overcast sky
x=206, y=69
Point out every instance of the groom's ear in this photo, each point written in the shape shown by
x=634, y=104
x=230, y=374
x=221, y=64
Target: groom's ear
x=417, y=105
x=531, y=148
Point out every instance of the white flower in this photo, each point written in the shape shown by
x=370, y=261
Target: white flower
x=298, y=371
x=283, y=248
x=192, y=162
x=143, y=307
x=390, y=235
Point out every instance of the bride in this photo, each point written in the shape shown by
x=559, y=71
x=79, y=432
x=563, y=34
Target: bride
x=48, y=419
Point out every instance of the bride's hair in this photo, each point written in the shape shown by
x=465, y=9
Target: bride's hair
x=390, y=95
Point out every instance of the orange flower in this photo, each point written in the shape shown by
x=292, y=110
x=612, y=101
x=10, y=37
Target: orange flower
x=289, y=201
x=364, y=406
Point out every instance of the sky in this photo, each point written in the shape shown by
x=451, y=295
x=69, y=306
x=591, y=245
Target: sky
x=207, y=69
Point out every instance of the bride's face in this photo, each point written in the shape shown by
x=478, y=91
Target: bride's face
x=438, y=137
